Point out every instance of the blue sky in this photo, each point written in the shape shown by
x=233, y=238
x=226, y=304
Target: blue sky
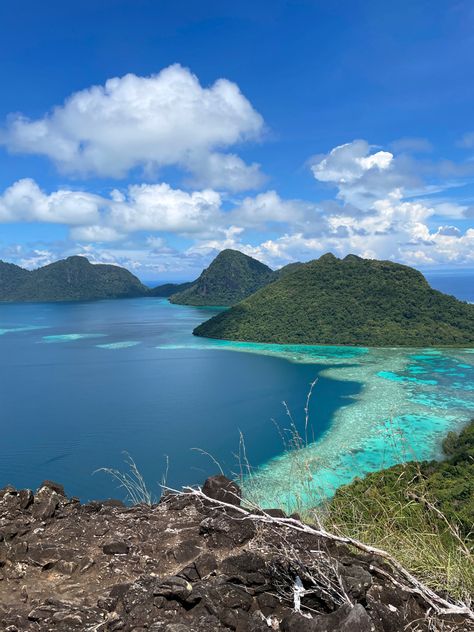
x=153, y=134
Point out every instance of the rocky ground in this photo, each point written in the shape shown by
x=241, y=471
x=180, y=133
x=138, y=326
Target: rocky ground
x=183, y=566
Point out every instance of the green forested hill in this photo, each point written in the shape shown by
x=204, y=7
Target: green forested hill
x=11, y=277
x=71, y=279
x=230, y=277
x=350, y=301
x=168, y=289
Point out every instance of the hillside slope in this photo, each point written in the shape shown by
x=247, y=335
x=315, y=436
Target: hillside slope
x=419, y=512
x=71, y=279
x=11, y=277
x=231, y=277
x=448, y=483
x=350, y=301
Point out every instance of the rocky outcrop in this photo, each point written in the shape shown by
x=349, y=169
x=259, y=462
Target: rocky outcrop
x=182, y=566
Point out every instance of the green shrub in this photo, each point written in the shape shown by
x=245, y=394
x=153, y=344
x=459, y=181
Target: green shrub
x=422, y=513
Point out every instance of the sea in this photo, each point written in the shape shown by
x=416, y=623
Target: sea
x=87, y=386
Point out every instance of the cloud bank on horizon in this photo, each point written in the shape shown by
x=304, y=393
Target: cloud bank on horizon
x=377, y=202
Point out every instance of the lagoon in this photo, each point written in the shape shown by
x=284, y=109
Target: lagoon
x=80, y=383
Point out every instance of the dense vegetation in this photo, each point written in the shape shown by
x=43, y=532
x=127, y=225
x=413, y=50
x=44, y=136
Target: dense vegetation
x=11, y=277
x=71, y=279
x=422, y=512
x=290, y=267
x=350, y=301
x=231, y=277
x=449, y=484
x=168, y=289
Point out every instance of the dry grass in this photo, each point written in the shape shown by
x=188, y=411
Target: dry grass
x=412, y=529
x=132, y=482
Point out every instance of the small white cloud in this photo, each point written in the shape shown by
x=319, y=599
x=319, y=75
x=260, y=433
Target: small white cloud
x=348, y=163
x=448, y=231
x=380, y=160
x=36, y=258
x=270, y=207
x=24, y=201
x=158, y=207
x=95, y=233
x=450, y=209
x=226, y=238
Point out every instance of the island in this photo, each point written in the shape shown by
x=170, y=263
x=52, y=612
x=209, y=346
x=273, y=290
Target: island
x=71, y=279
x=350, y=301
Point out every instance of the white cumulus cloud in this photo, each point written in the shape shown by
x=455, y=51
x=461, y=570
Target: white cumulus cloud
x=158, y=207
x=95, y=233
x=268, y=207
x=24, y=201
x=150, y=122
x=380, y=215
x=224, y=171
x=382, y=207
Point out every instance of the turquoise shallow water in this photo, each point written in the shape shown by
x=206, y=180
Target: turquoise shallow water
x=409, y=400
x=79, y=383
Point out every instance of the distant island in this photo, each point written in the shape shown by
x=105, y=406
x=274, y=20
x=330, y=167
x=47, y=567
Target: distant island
x=328, y=301
x=168, y=289
x=350, y=301
x=231, y=277
x=71, y=279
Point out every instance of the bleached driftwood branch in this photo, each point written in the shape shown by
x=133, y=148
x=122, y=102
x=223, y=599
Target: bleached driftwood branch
x=410, y=584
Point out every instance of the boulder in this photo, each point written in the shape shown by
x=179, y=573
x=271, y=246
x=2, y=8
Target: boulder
x=45, y=503
x=173, y=588
x=347, y=618
x=221, y=488
x=222, y=530
x=356, y=580
x=55, y=487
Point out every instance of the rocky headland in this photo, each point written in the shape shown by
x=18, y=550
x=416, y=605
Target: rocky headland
x=187, y=564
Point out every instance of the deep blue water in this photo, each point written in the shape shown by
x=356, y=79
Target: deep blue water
x=70, y=404
x=460, y=284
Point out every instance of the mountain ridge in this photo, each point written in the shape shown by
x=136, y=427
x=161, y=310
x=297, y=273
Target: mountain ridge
x=229, y=278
